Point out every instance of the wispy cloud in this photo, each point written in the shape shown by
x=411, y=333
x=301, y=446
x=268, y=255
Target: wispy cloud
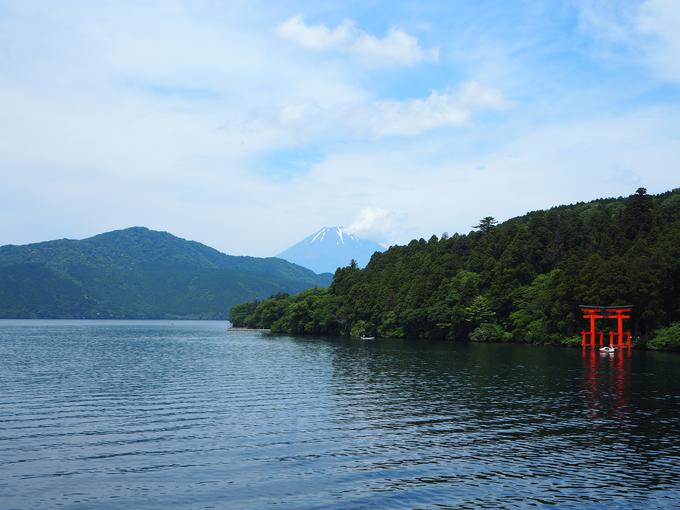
x=535, y=169
x=396, y=48
x=660, y=20
x=410, y=117
x=646, y=31
x=438, y=110
x=316, y=37
x=170, y=107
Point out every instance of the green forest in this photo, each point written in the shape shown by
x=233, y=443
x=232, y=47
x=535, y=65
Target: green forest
x=137, y=273
x=520, y=281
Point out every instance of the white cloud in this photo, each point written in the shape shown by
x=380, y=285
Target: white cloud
x=646, y=32
x=606, y=20
x=396, y=48
x=374, y=223
x=472, y=94
x=119, y=139
x=660, y=20
x=439, y=109
x=316, y=37
x=384, y=118
x=413, y=116
x=559, y=164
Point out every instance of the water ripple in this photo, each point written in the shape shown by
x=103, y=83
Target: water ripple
x=119, y=415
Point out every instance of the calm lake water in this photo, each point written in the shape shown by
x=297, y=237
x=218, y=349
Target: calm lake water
x=128, y=415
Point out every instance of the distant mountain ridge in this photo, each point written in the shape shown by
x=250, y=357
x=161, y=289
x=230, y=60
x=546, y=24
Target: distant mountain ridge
x=329, y=248
x=137, y=273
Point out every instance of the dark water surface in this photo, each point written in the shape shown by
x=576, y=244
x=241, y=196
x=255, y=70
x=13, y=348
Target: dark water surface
x=128, y=415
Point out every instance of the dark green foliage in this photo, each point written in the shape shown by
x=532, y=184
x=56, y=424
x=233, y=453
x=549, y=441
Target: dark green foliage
x=488, y=332
x=137, y=273
x=479, y=311
x=244, y=315
x=523, y=279
x=572, y=341
x=361, y=328
x=666, y=338
x=486, y=224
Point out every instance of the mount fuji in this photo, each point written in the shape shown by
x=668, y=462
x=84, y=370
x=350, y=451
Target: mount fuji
x=329, y=248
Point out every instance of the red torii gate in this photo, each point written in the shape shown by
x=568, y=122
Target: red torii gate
x=592, y=313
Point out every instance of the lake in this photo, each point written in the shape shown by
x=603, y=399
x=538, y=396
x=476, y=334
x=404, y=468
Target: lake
x=166, y=415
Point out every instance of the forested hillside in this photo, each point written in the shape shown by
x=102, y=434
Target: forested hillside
x=137, y=273
x=517, y=281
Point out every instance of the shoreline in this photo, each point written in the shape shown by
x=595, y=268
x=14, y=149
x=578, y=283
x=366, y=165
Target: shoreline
x=263, y=330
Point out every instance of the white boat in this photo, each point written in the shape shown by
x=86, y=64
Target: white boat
x=608, y=348
x=364, y=337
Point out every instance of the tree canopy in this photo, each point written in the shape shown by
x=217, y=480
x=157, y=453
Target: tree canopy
x=521, y=280
x=486, y=224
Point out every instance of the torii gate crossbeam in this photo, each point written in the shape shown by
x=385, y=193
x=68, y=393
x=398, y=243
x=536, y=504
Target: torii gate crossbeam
x=594, y=312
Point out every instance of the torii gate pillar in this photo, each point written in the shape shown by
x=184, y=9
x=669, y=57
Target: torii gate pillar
x=592, y=313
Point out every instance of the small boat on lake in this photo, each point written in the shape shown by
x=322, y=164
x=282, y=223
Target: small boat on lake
x=364, y=337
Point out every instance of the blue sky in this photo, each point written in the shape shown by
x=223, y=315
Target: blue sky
x=248, y=125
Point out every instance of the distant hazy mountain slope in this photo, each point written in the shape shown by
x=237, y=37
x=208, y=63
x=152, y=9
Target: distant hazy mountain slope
x=137, y=273
x=329, y=248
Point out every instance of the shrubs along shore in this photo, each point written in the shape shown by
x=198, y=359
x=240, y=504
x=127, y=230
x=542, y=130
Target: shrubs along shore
x=519, y=281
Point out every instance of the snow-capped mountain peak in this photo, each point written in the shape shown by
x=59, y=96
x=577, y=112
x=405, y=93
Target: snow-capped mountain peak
x=329, y=248
x=336, y=233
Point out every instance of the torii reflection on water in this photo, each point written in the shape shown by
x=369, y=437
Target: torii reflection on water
x=606, y=379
